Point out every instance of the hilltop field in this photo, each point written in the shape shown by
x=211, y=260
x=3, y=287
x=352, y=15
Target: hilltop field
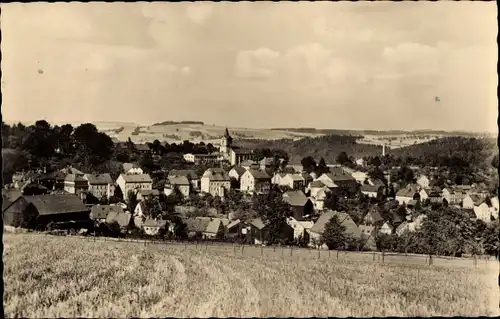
x=48, y=276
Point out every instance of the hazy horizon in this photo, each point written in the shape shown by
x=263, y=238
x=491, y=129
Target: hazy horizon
x=344, y=65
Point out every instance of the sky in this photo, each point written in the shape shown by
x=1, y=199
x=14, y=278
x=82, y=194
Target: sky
x=344, y=65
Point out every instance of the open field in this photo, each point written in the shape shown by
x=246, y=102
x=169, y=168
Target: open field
x=47, y=276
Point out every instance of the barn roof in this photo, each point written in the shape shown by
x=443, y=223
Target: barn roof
x=344, y=218
x=137, y=178
x=57, y=204
x=295, y=198
x=102, y=211
x=99, y=178
x=123, y=219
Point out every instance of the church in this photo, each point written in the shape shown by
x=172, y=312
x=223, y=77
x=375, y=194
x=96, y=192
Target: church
x=234, y=154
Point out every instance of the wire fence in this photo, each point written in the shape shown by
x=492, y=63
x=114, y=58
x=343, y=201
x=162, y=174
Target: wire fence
x=298, y=253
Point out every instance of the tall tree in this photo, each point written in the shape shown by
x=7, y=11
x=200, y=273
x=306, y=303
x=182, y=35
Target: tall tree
x=274, y=212
x=308, y=164
x=342, y=158
x=334, y=235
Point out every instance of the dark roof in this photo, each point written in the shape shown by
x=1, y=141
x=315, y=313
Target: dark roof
x=137, y=178
x=239, y=170
x=258, y=223
x=142, y=147
x=369, y=188
x=123, y=219
x=295, y=198
x=5, y=203
x=75, y=178
x=216, y=175
x=149, y=192
x=317, y=184
x=71, y=170
x=344, y=218
x=374, y=215
x=154, y=223
x=128, y=166
x=57, y=204
x=338, y=177
x=241, y=151
x=259, y=174
x=407, y=192
x=189, y=173
x=99, y=179
x=178, y=180
x=102, y=211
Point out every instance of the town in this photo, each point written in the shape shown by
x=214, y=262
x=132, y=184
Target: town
x=78, y=181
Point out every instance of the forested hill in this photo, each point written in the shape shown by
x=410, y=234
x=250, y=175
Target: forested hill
x=327, y=147
x=449, y=151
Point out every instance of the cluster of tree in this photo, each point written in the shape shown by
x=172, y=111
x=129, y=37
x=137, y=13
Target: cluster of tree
x=41, y=145
x=280, y=157
x=327, y=147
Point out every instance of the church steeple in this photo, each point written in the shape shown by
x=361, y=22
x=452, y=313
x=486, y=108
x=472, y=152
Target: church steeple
x=226, y=134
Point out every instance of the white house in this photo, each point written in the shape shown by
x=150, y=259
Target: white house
x=483, y=212
x=152, y=227
x=75, y=184
x=369, y=190
x=423, y=194
x=190, y=174
x=236, y=172
x=360, y=177
x=132, y=168
x=404, y=195
x=133, y=182
x=294, y=181
x=360, y=162
x=215, y=181
x=423, y=181
x=276, y=179
x=100, y=185
x=253, y=181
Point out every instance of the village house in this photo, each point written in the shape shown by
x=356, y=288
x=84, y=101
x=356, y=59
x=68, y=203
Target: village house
x=253, y=181
x=250, y=165
x=470, y=201
x=293, y=181
x=373, y=217
x=75, y=184
x=423, y=194
x=179, y=182
x=370, y=190
x=99, y=213
x=318, y=192
x=478, y=204
x=316, y=232
x=368, y=233
x=386, y=228
x=207, y=159
x=134, y=183
x=132, y=169
x=300, y=204
x=142, y=148
x=259, y=232
x=236, y=172
x=404, y=195
x=38, y=211
x=144, y=194
x=152, y=227
x=300, y=228
x=453, y=197
x=215, y=181
x=360, y=162
x=360, y=177
x=339, y=179
x=204, y=227
x=190, y=174
x=276, y=179
x=266, y=163
x=237, y=229
x=119, y=217
x=100, y=185
x=423, y=181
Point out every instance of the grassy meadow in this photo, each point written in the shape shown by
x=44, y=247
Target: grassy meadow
x=48, y=276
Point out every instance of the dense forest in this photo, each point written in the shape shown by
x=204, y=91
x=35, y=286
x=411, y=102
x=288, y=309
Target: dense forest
x=451, y=151
x=327, y=147
x=312, y=130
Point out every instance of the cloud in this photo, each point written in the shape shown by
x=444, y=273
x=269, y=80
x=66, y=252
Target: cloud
x=199, y=13
x=186, y=70
x=256, y=64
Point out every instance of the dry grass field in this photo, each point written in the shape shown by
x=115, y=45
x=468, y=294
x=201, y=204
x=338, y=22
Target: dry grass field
x=47, y=276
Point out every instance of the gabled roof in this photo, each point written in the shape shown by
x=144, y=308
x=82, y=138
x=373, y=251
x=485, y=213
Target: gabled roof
x=412, y=202
x=241, y=151
x=178, y=180
x=351, y=227
x=99, y=179
x=374, y=215
x=317, y=184
x=142, y=147
x=295, y=198
x=248, y=163
x=296, y=177
x=71, y=170
x=213, y=226
x=367, y=229
x=258, y=223
x=74, y=178
x=102, y=211
x=149, y=192
x=57, y=204
x=189, y=173
x=154, y=223
x=369, y=188
x=123, y=219
x=259, y=175
x=239, y=170
x=233, y=224
x=340, y=177
x=304, y=223
x=137, y=178
x=216, y=175
x=406, y=192
x=267, y=161
x=128, y=166
x=306, y=176
x=476, y=199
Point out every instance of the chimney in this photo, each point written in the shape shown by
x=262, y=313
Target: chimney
x=383, y=149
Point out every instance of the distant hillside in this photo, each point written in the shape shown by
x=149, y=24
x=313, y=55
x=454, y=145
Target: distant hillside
x=462, y=150
x=328, y=147
x=181, y=122
x=425, y=132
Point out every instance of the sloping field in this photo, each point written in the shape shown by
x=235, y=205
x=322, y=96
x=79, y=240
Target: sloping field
x=49, y=276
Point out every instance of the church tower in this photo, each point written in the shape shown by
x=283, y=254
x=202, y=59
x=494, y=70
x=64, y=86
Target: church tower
x=225, y=143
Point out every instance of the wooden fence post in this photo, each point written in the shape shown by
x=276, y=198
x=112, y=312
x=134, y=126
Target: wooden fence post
x=291, y=251
x=282, y=251
x=242, y=248
x=261, y=251
x=319, y=253
x=373, y=256
x=383, y=256
x=337, y=254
